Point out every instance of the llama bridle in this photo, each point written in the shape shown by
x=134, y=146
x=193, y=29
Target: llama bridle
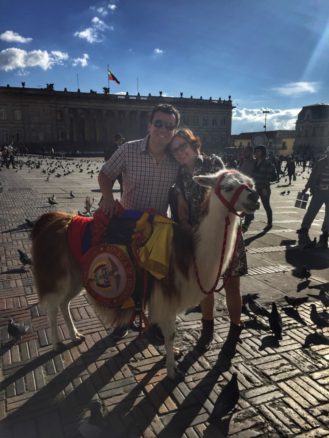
x=231, y=209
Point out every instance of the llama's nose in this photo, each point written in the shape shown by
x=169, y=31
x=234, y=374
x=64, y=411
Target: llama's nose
x=253, y=196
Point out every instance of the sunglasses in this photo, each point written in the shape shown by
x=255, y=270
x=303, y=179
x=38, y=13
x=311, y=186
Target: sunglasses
x=160, y=124
x=181, y=148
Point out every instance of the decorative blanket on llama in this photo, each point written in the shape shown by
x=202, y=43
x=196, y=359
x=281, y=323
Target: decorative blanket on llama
x=111, y=251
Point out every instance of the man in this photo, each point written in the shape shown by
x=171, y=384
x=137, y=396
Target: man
x=247, y=167
x=148, y=171
x=264, y=174
x=318, y=184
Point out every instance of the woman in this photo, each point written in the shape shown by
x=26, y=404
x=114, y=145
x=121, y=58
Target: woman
x=264, y=174
x=188, y=196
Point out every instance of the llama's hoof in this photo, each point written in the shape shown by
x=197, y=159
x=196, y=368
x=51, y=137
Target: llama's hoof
x=78, y=338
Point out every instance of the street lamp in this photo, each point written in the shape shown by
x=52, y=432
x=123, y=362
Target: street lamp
x=265, y=112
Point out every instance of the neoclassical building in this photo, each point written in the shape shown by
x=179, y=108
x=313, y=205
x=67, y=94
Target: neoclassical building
x=68, y=120
x=312, y=130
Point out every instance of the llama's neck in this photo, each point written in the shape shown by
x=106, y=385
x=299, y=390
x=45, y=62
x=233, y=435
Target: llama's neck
x=210, y=239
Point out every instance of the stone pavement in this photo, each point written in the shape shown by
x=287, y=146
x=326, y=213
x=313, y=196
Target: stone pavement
x=284, y=388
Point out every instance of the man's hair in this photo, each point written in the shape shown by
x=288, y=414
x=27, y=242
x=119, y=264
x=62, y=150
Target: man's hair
x=167, y=109
x=262, y=149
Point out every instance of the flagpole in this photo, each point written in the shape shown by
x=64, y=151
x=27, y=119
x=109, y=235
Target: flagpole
x=78, y=81
x=108, y=81
x=137, y=85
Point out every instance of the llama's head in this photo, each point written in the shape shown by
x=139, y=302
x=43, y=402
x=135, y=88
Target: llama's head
x=234, y=189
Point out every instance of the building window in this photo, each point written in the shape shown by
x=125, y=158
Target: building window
x=195, y=120
x=205, y=121
x=3, y=114
x=5, y=136
x=59, y=115
x=284, y=146
x=17, y=115
x=214, y=122
x=313, y=132
x=223, y=121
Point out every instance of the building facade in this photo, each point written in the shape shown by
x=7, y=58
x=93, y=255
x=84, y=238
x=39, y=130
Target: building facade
x=67, y=121
x=278, y=142
x=312, y=130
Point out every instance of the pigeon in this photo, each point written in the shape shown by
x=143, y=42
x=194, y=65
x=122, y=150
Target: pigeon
x=16, y=330
x=324, y=297
x=52, y=200
x=295, y=302
x=88, y=204
x=24, y=258
x=227, y=399
x=29, y=222
x=317, y=319
x=275, y=321
x=72, y=195
x=256, y=308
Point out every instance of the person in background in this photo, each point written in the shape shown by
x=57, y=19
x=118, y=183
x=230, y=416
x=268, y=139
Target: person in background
x=264, y=173
x=318, y=183
x=246, y=166
x=187, y=197
x=290, y=168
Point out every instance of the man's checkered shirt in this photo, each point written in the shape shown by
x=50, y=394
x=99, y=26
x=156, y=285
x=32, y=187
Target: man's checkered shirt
x=146, y=183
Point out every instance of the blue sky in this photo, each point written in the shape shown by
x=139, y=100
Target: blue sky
x=266, y=54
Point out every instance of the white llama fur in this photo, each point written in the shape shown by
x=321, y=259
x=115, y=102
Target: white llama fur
x=162, y=309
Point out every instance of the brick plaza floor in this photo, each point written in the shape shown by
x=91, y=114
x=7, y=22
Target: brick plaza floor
x=284, y=388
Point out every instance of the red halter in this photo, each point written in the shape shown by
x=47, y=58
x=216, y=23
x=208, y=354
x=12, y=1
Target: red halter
x=230, y=206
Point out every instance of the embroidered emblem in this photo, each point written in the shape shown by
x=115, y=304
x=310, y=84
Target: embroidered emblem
x=108, y=274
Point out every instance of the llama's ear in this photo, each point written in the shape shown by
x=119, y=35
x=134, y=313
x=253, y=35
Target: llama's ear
x=206, y=180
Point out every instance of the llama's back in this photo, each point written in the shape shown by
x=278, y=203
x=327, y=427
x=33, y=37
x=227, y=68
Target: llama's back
x=53, y=265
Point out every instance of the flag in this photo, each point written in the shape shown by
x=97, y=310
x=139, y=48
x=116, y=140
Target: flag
x=111, y=77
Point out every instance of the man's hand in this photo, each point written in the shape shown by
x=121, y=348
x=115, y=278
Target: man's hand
x=108, y=205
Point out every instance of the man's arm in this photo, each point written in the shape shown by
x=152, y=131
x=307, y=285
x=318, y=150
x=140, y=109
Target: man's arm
x=107, y=202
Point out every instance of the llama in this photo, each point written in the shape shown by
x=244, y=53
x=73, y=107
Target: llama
x=58, y=277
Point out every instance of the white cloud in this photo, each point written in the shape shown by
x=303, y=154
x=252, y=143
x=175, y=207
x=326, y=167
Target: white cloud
x=101, y=10
x=99, y=24
x=158, y=52
x=14, y=58
x=13, y=37
x=253, y=119
x=90, y=34
x=297, y=88
x=112, y=7
x=82, y=62
x=94, y=33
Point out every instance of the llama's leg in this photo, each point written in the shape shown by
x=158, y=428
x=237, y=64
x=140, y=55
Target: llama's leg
x=168, y=329
x=65, y=308
x=52, y=314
